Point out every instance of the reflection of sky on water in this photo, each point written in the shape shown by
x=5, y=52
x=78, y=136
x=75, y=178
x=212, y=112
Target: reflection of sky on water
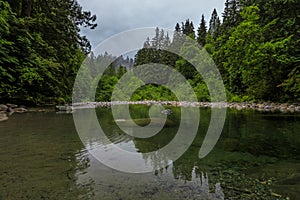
x=170, y=182
x=106, y=183
x=191, y=178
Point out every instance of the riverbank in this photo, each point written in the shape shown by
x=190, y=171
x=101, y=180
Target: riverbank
x=263, y=107
x=7, y=110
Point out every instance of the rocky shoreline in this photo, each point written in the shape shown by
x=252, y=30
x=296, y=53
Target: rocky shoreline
x=7, y=110
x=263, y=107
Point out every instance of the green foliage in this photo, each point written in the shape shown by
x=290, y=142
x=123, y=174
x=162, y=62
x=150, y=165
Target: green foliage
x=185, y=68
x=256, y=49
x=202, y=92
x=41, y=49
x=153, y=92
x=105, y=88
x=6, y=58
x=292, y=84
x=256, y=58
x=239, y=99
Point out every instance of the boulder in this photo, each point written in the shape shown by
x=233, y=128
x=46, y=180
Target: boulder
x=12, y=105
x=20, y=110
x=283, y=109
x=268, y=107
x=3, y=107
x=65, y=108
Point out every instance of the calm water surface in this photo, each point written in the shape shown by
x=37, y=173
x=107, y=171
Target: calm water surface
x=257, y=157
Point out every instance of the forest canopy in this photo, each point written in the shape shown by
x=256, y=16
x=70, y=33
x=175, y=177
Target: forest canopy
x=254, y=43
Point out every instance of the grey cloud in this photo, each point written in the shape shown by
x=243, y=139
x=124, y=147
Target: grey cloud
x=115, y=16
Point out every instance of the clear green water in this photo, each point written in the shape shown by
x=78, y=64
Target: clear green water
x=258, y=154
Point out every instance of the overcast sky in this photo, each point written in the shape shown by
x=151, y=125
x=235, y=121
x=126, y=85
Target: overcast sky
x=115, y=16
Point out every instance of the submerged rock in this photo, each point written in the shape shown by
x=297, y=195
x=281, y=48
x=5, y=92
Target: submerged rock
x=146, y=121
x=167, y=112
x=3, y=117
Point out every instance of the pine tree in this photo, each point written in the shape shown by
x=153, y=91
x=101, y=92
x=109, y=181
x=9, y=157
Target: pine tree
x=155, y=40
x=166, y=41
x=214, y=24
x=176, y=35
x=161, y=39
x=226, y=15
x=188, y=28
x=176, y=42
x=191, y=30
x=177, y=28
x=202, y=32
x=147, y=43
x=231, y=15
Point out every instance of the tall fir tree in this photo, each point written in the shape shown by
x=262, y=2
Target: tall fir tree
x=166, y=41
x=202, y=32
x=147, y=43
x=161, y=38
x=231, y=14
x=214, y=24
x=155, y=40
x=188, y=28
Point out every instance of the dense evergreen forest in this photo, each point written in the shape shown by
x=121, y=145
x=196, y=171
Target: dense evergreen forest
x=254, y=43
x=41, y=49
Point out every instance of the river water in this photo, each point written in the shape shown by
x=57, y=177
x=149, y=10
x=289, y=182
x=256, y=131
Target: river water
x=256, y=157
